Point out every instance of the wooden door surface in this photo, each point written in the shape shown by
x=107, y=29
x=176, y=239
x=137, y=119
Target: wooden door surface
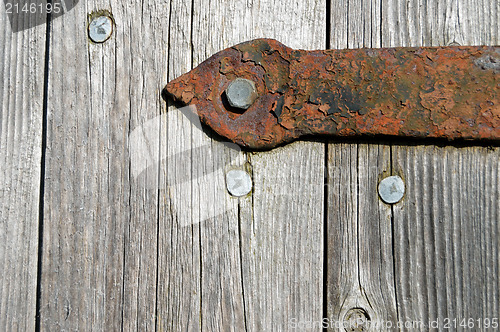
x=114, y=213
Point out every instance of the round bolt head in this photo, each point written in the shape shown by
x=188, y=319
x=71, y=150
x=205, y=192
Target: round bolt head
x=100, y=29
x=391, y=189
x=238, y=183
x=241, y=93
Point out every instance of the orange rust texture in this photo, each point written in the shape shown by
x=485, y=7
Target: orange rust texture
x=442, y=92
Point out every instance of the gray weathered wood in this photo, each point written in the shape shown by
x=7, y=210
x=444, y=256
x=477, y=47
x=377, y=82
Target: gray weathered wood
x=445, y=265
x=21, y=112
x=100, y=220
x=440, y=23
x=215, y=271
x=139, y=232
x=360, y=271
x=269, y=261
x=413, y=23
x=86, y=185
x=282, y=239
x=141, y=35
x=179, y=279
x=446, y=233
x=355, y=24
x=359, y=254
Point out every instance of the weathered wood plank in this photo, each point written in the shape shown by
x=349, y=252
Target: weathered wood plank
x=21, y=112
x=207, y=246
x=100, y=235
x=282, y=239
x=355, y=24
x=412, y=23
x=199, y=283
x=360, y=271
x=140, y=69
x=223, y=263
x=282, y=270
x=440, y=23
x=447, y=234
x=86, y=190
x=444, y=266
x=360, y=281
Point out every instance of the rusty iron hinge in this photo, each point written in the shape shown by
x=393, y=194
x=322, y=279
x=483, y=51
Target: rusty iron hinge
x=261, y=93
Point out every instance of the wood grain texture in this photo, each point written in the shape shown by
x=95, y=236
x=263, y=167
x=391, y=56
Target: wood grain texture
x=444, y=266
x=360, y=270
x=86, y=184
x=447, y=233
x=139, y=232
x=440, y=23
x=100, y=220
x=359, y=257
x=140, y=70
x=281, y=274
x=355, y=24
x=206, y=247
x=411, y=23
x=179, y=276
x=282, y=239
x=199, y=284
x=21, y=112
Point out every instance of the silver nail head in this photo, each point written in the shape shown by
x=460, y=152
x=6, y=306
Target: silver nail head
x=238, y=183
x=100, y=29
x=391, y=189
x=241, y=93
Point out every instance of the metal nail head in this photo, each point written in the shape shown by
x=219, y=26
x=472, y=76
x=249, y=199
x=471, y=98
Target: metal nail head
x=391, y=189
x=238, y=183
x=241, y=93
x=100, y=29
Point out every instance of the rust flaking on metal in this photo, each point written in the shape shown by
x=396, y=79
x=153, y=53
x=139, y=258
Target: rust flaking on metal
x=441, y=92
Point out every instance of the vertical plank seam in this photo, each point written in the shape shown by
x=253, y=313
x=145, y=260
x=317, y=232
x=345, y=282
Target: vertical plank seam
x=358, y=240
x=381, y=22
x=393, y=235
x=325, y=238
x=42, y=174
x=363, y=35
x=125, y=252
x=328, y=26
x=137, y=314
x=157, y=282
x=124, y=261
x=158, y=202
x=191, y=36
x=200, y=267
x=241, y=269
x=391, y=169
x=358, y=237
x=347, y=26
x=158, y=193
x=325, y=187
